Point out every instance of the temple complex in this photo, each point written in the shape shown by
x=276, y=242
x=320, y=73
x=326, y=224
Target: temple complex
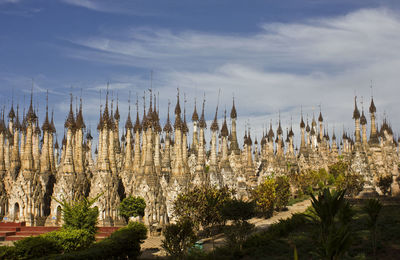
x=158, y=160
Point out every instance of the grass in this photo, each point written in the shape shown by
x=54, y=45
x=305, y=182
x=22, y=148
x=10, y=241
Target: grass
x=279, y=240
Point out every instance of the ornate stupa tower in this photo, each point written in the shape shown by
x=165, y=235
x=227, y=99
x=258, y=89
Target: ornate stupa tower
x=234, y=148
x=356, y=117
x=195, y=120
x=215, y=177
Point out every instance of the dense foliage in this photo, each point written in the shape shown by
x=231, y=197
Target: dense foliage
x=282, y=192
x=132, y=207
x=80, y=214
x=179, y=237
x=69, y=239
x=122, y=244
x=332, y=214
x=239, y=212
x=264, y=196
x=202, y=206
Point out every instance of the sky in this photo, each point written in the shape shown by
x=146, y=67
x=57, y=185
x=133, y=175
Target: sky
x=277, y=58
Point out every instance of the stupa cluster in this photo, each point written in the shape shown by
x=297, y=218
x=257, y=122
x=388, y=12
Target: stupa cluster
x=159, y=162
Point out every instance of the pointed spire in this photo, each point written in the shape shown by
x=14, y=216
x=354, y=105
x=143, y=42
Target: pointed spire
x=128, y=124
x=356, y=113
x=233, y=111
x=224, y=129
x=178, y=122
x=79, y=117
x=320, y=118
x=46, y=126
x=117, y=115
x=52, y=126
x=185, y=128
x=137, y=126
x=302, y=125
x=214, y=125
x=279, y=131
x=363, y=119
x=30, y=116
x=372, y=108
x=11, y=114
x=202, y=122
x=70, y=122
x=270, y=132
x=168, y=127
x=195, y=116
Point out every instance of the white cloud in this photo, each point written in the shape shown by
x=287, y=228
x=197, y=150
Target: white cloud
x=280, y=68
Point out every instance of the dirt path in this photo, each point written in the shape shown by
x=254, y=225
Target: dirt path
x=151, y=248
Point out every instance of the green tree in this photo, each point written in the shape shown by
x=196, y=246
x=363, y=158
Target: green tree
x=202, y=205
x=264, y=196
x=239, y=212
x=132, y=207
x=179, y=237
x=373, y=208
x=282, y=192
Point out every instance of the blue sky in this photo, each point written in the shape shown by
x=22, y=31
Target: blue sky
x=273, y=55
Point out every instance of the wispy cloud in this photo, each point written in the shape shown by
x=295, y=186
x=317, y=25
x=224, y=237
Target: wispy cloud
x=118, y=7
x=281, y=68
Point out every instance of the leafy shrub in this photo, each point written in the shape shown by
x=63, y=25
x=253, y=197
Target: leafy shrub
x=179, y=238
x=7, y=252
x=34, y=247
x=202, y=205
x=239, y=211
x=352, y=183
x=264, y=196
x=123, y=243
x=80, y=214
x=132, y=207
x=282, y=192
x=71, y=239
x=237, y=233
x=384, y=183
x=339, y=168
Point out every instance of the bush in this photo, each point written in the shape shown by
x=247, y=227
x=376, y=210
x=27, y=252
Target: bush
x=202, y=206
x=179, y=238
x=384, y=183
x=71, y=239
x=352, y=183
x=237, y=210
x=123, y=243
x=132, y=207
x=265, y=197
x=80, y=214
x=34, y=247
x=282, y=192
x=7, y=252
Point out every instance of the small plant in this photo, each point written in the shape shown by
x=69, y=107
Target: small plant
x=265, y=197
x=373, y=208
x=333, y=214
x=179, y=238
x=80, y=214
x=132, y=207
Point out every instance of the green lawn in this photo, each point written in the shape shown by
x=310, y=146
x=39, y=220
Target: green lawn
x=279, y=240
